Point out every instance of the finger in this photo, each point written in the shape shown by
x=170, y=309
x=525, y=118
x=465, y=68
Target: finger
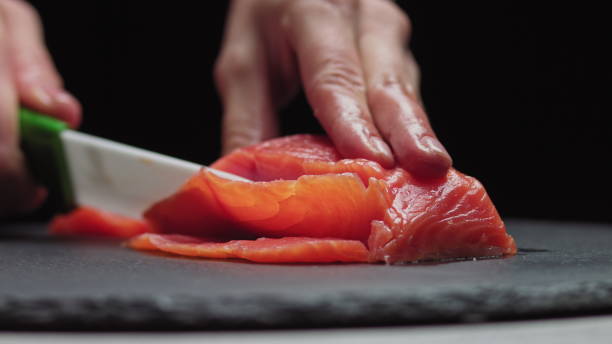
x=18, y=191
x=38, y=83
x=242, y=80
x=321, y=33
x=392, y=91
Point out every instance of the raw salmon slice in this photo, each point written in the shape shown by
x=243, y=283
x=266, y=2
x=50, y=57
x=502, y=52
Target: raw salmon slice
x=262, y=250
x=313, y=206
x=94, y=222
x=321, y=206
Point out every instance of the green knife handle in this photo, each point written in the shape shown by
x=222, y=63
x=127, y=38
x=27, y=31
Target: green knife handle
x=42, y=144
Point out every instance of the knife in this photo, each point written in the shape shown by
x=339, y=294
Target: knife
x=84, y=170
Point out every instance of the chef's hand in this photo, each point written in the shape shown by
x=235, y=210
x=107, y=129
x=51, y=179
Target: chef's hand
x=350, y=57
x=28, y=77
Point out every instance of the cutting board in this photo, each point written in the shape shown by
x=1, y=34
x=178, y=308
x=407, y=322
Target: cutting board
x=46, y=282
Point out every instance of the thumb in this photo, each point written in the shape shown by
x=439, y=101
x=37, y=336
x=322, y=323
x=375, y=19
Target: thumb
x=18, y=192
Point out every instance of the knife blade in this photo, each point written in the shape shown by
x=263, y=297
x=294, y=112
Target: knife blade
x=84, y=170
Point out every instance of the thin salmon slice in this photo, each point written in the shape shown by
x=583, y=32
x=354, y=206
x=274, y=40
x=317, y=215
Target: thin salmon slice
x=333, y=205
x=95, y=222
x=262, y=250
x=310, y=205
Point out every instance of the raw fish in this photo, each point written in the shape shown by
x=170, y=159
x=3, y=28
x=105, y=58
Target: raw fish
x=307, y=204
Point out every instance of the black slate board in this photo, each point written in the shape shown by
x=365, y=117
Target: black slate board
x=80, y=284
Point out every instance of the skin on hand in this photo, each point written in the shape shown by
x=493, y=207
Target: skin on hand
x=28, y=77
x=351, y=59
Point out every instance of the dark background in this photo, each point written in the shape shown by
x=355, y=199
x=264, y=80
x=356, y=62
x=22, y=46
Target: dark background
x=518, y=94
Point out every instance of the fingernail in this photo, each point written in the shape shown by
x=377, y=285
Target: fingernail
x=63, y=97
x=433, y=161
x=42, y=96
x=67, y=106
x=434, y=146
x=380, y=146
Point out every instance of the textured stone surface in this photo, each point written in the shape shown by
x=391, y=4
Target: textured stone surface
x=52, y=283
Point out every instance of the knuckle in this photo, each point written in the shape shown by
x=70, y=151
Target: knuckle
x=395, y=17
x=389, y=87
x=404, y=25
x=344, y=5
x=413, y=68
x=233, y=63
x=237, y=136
x=237, y=133
x=385, y=83
x=19, y=7
x=315, y=9
x=336, y=74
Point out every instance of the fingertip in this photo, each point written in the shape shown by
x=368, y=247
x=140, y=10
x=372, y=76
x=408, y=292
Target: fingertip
x=68, y=108
x=353, y=145
x=404, y=124
x=430, y=168
x=54, y=102
x=382, y=152
x=429, y=161
x=436, y=150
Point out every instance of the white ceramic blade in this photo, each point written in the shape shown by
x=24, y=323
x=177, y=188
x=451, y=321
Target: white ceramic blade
x=122, y=179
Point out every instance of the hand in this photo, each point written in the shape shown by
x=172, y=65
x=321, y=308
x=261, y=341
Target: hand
x=350, y=57
x=28, y=77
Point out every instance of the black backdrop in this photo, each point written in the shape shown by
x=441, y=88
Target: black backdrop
x=519, y=95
